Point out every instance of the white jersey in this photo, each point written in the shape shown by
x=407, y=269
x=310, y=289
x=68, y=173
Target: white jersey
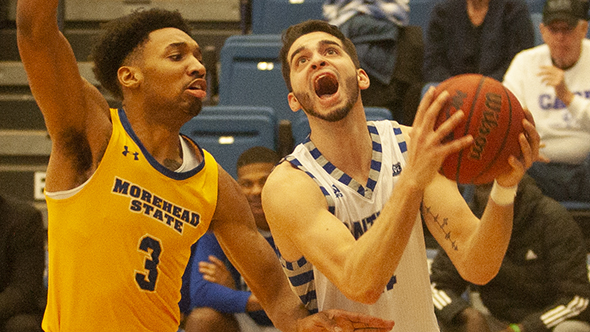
x=407, y=298
x=565, y=130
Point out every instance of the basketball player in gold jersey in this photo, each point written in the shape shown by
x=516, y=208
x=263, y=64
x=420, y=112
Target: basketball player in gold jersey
x=127, y=195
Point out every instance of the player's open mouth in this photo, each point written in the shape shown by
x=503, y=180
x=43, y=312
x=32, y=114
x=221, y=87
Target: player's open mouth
x=325, y=85
x=198, y=88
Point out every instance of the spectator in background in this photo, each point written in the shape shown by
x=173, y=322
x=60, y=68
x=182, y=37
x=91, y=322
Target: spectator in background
x=551, y=81
x=388, y=49
x=542, y=284
x=219, y=298
x=475, y=36
x=22, y=261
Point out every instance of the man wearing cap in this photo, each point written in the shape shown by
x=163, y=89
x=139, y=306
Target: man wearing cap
x=553, y=82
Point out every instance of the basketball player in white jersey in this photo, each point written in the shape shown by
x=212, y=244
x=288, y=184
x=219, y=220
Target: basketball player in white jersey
x=127, y=194
x=345, y=208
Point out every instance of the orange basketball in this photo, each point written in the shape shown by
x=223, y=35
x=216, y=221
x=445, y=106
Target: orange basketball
x=493, y=116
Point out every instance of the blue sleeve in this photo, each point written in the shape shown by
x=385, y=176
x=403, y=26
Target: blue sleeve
x=207, y=294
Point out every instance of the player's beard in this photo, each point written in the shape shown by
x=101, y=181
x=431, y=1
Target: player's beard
x=351, y=89
x=195, y=107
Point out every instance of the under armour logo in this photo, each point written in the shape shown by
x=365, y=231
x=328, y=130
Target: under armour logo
x=337, y=191
x=135, y=154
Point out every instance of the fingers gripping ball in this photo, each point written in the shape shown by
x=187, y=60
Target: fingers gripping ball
x=493, y=116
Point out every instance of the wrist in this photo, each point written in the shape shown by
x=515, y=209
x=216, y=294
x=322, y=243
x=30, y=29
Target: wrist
x=503, y=195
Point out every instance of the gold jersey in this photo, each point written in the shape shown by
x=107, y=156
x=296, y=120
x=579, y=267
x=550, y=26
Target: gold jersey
x=119, y=246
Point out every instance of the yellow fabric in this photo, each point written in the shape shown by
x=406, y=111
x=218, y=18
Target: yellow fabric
x=130, y=218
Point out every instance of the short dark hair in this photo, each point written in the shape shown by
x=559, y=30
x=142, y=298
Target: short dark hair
x=120, y=37
x=295, y=31
x=257, y=154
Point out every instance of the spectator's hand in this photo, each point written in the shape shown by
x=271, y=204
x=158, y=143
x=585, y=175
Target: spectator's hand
x=530, y=142
x=335, y=320
x=553, y=76
x=216, y=271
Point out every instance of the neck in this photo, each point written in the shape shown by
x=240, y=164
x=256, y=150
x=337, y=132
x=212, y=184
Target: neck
x=159, y=138
x=347, y=143
x=477, y=10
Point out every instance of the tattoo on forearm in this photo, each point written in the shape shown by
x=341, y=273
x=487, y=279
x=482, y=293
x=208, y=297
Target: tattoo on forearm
x=442, y=224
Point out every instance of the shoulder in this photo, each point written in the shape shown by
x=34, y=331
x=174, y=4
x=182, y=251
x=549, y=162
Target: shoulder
x=287, y=184
x=284, y=174
x=406, y=131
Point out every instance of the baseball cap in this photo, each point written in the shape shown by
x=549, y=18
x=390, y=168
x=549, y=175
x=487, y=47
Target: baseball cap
x=569, y=11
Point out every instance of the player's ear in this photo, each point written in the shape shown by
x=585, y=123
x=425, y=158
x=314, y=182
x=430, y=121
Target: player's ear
x=129, y=76
x=363, y=79
x=293, y=102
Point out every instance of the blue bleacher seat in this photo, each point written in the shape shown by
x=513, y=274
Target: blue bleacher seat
x=251, y=74
x=273, y=16
x=535, y=6
x=537, y=18
x=227, y=131
x=420, y=13
x=300, y=124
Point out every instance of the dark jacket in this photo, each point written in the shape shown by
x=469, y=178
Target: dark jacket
x=544, y=269
x=22, y=259
x=452, y=47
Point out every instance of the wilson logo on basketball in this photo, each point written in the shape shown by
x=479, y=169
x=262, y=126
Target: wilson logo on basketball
x=493, y=117
x=489, y=122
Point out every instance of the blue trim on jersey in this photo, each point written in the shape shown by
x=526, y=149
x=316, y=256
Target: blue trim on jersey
x=403, y=146
x=346, y=179
x=155, y=164
x=301, y=279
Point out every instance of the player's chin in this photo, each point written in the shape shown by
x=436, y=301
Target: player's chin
x=194, y=107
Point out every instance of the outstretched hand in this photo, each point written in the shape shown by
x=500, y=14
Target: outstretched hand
x=335, y=320
x=427, y=148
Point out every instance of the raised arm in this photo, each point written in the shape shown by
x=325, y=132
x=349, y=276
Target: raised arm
x=361, y=268
x=477, y=246
x=234, y=227
x=69, y=103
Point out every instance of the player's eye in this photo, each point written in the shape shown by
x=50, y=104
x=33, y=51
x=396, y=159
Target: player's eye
x=331, y=51
x=246, y=184
x=175, y=57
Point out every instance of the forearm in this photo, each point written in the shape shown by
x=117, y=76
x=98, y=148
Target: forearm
x=486, y=248
x=253, y=304
x=35, y=17
x=374, y=257
x=262, y=272
x=279, y=302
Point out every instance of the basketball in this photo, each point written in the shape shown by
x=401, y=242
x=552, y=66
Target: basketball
x=493, y=116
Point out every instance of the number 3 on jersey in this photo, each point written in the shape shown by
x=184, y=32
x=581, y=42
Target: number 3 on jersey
x=152, y=250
